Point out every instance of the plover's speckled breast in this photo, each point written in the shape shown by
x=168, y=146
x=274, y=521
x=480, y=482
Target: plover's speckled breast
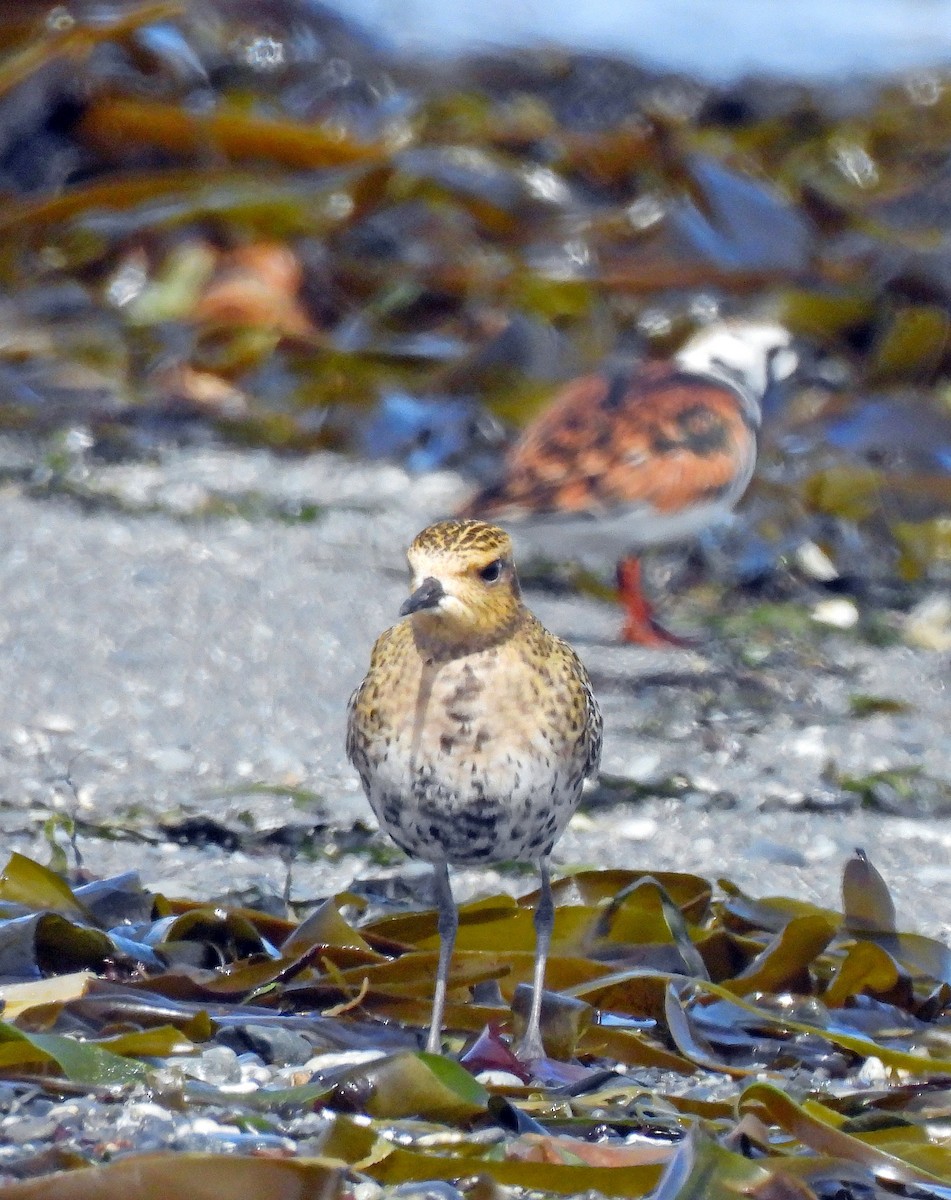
x=475, y=757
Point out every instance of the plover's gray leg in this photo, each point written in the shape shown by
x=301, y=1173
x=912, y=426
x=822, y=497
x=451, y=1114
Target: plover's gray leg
x=448, y=924
x=531, y=1046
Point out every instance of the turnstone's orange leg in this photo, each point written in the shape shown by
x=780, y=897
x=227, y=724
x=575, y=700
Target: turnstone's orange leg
x=640, y=626
x=448, y=924
x=531, y=1047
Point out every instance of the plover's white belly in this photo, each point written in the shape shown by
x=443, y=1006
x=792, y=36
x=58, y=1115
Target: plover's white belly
x=477, y=769
x=442, y=809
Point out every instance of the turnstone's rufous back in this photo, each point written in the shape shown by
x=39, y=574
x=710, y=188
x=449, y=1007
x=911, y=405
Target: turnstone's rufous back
x=627, y=459
x=474, y=730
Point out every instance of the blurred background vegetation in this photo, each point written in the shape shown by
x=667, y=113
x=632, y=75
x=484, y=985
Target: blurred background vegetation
x=252, y=221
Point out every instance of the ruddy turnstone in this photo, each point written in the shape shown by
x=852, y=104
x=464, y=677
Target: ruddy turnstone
x=474, y=730
x=627, y=459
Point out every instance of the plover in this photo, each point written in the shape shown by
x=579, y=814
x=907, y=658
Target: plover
x=627, y=459
x=474, y=730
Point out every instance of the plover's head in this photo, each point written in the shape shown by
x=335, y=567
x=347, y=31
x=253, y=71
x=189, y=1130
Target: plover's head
x=749, y=355
x=463, y=581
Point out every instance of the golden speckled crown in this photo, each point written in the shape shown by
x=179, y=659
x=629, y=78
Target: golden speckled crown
x=464, y=537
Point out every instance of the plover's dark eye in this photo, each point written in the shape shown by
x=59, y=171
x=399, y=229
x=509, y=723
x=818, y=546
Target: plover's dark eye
x=493, y=572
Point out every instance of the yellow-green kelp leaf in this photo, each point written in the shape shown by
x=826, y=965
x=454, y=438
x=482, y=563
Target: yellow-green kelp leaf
x=411, y=1085
x=784, y=964
x=27, y=882
x=197, y=1176
x=818, y=1127
x=82, y=1062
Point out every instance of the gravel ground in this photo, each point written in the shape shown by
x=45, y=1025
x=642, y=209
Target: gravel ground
x=178, y=631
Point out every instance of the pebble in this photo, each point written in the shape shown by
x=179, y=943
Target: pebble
x=838, y=611
x=928, y=625
x=813, y=561
x=149, y=1124
x=274, y=1046
x=823, y=848
x=811, y=742
x=217, y=1065
x=637, y=829
x=172, y=760
x=366, y=1189
x=344, y=1058
x=776, y=852
x=499, y=1079
x=56, y=723
x=27, y=1129
x=642, y=768
x=434, y=1189
x=873, y=1072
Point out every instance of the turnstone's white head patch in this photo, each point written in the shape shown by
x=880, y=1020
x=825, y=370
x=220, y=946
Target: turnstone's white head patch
x=750, y=355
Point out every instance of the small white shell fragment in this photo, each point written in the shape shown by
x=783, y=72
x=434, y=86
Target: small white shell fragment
x=928, y=625
x=637, y=829
x=837, y=611
x=498, y=1079
x=873, y=1072
x=55, y=723
x=813, y=561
